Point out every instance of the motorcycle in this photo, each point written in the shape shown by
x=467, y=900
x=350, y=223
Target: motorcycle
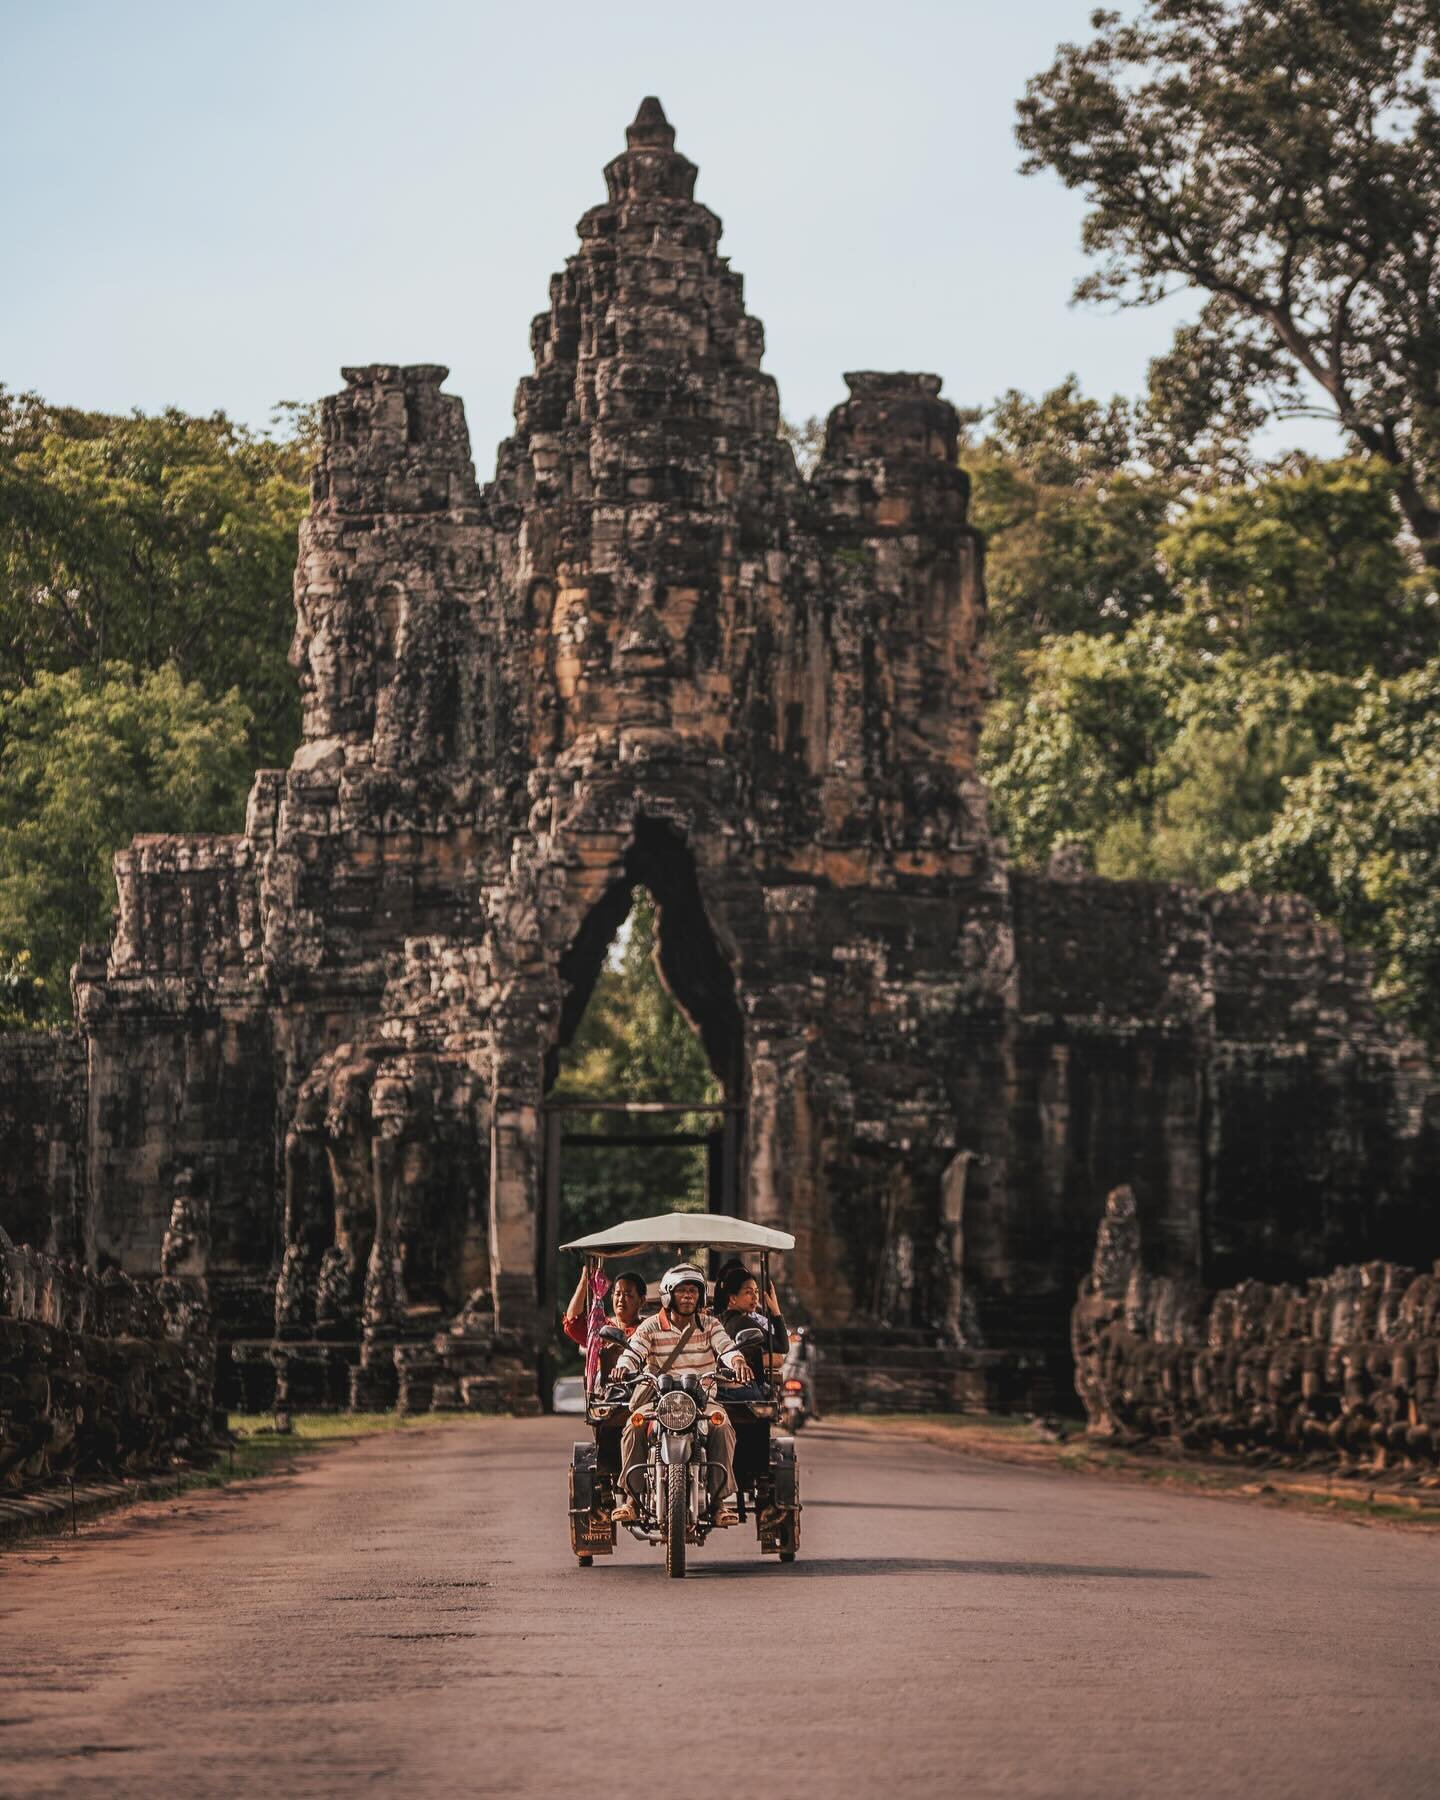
x=677, y=1491
x=675, y=1488
x=797, y=1382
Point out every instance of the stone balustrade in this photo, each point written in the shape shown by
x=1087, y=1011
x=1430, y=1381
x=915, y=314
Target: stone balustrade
x=1345, y=1368
x=100, y=1373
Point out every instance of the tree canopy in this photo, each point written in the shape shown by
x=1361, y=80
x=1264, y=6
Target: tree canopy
x=88, y=758
x=1359, y=833
x=145, y=622
x=1282, y=159
x=1306, y=562
x=149, y=540
x=1073, y=522
x=1194, y=707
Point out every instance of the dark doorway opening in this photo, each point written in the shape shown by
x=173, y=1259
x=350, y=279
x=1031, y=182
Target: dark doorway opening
x=644, y=1110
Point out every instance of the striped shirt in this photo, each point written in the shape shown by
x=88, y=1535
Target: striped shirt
x=653, y=1342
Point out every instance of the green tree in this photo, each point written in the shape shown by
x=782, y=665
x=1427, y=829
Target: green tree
x=1159, y=760
x=633, y=1043
x=1358, y=833
x=1072, y=524
x=1281, y=158
x=1306, y=563
x=89, y=757
x=1236, y=732
x=1165, y=748
x=149, y=541
x=1077, y=744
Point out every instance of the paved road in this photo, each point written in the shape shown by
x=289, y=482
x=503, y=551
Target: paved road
x=403, y=1617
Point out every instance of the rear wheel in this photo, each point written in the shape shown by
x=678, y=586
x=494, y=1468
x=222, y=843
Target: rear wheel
x=585, y=1561
x=790, y=1535
x=676, y=1518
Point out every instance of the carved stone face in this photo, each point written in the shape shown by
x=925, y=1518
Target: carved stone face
x=333, y=649
x=320, y=681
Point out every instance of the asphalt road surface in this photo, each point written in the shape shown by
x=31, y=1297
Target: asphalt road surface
x=403, y=1617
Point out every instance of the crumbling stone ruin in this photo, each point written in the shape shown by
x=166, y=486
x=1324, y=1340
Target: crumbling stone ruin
x=1344, y=1367
x=649, y=651
x=103, y=1372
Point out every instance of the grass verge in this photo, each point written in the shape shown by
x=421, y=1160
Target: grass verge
x=260, y=1450
x=1360, y=1496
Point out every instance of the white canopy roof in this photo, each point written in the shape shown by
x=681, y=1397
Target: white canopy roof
x=684, y=1230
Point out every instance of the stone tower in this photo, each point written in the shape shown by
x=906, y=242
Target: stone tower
x=650, y=652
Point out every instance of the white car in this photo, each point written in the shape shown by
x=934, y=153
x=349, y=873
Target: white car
x=568, y=1395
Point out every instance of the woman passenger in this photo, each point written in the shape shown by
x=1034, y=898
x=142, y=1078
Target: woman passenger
x=626, y=1300
x=737, y=1306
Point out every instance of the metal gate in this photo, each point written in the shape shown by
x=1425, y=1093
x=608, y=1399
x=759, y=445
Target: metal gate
x=722, y=1144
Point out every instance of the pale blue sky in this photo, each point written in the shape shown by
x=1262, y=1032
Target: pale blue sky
x=216, y=206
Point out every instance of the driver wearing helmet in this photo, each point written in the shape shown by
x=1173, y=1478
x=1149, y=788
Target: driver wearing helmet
x=679, y=1339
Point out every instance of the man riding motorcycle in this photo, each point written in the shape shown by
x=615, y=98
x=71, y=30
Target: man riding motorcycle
x=679, y=1338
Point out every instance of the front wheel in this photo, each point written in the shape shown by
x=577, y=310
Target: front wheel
x=676, y=1518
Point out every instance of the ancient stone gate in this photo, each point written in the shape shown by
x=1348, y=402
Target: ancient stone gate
x=649, y=651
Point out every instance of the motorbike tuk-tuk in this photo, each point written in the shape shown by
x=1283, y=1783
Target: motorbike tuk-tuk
x=674, y=1488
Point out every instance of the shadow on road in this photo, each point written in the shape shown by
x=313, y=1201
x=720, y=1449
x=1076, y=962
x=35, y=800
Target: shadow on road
x=940, y=1565
x=901, y=1506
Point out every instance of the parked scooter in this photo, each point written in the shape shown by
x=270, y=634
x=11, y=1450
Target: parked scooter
x=797, y=1382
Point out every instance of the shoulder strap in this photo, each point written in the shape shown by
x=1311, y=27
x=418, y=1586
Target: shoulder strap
x=680, y=1343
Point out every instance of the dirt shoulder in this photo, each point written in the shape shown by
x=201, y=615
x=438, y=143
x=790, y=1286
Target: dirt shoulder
x=256, y=1451
x=1362, y=1496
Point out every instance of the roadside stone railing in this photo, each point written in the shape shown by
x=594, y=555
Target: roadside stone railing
x=1344, y=1370
x=99, y=1374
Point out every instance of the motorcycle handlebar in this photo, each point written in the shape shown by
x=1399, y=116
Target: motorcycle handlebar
x=719, y=1373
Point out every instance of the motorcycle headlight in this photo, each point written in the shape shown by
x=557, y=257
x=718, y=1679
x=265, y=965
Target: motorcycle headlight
x=676, y=1411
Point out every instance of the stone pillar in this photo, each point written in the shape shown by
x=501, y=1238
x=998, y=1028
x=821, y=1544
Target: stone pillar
x=786, y=1162
x=962, y=1327
x=514, y=1212
x=374, y=1383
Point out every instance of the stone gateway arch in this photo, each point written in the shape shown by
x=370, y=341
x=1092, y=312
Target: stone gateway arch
x=650, y=651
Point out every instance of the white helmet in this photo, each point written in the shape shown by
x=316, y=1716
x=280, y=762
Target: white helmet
x=677, y=1277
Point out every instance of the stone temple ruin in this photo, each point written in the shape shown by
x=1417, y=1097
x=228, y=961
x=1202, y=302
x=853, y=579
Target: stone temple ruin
x=649, y=651
x=1345, y=1368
